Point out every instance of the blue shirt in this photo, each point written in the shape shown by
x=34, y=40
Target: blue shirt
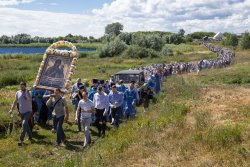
x=121, y=88
x=92, y=91
x=116, y=97
x=130, y=96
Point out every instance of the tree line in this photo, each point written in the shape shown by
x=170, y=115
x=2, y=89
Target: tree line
x=151, y=44
x=28, y=39
x=136, y=44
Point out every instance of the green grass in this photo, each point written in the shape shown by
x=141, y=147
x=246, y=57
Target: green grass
x=182, y=48
x=174, y=131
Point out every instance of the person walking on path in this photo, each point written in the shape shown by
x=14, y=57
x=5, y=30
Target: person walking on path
x=101, y=103
x=59, y=103
x=116, y=104
x=86, y=108
x=23, y=99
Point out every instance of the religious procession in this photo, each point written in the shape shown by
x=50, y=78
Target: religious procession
x=106, y=101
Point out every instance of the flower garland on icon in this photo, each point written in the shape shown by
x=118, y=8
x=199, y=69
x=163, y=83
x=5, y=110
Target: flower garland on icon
x=53, y=50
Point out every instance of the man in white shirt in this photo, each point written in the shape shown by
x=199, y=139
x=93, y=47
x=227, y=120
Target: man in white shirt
x=101, y=103
x=24, y=99
x=86, y=108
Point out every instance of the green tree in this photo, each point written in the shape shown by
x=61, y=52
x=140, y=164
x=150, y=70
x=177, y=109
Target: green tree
x=5, y=39
x=200, y=35
x=22, y=39
x=113, y=48
x=114, y=28
x=175, y=39
x=126, y=37
x=151, y=41
x=181, y=32
x=245, y=41
x=230, y=40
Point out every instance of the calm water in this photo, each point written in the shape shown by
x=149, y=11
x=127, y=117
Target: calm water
x=29, y=50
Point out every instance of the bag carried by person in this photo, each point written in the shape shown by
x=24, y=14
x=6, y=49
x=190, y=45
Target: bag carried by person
x=53, y=107
x=74, y=100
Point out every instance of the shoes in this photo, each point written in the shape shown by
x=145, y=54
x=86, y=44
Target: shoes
x=57, y=145
x=63, y=145
x=103, y=135
x=20, y=143
x=31, y=140
x=53, y=130
x=65, y=141
x=85, y=146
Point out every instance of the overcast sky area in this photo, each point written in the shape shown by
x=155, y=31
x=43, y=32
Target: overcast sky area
x=89, y=17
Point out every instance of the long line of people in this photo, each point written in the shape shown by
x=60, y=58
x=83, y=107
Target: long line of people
x=107, y=101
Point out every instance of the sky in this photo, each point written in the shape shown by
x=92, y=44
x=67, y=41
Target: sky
x=89, y=17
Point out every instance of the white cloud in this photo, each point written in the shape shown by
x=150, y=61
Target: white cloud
x=135, y=15
x=13, y=2
x=14, y=21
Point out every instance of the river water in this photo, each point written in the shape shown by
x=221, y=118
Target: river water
x=33, y=50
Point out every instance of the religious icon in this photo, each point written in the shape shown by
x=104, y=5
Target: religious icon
x=56, y=68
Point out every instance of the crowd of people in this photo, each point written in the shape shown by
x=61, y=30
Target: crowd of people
x=105, y=101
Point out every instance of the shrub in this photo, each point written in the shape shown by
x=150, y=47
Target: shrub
x=245, y=41
x=230, y=40
x=153, y=41
x=112, y=48
x=166, y=51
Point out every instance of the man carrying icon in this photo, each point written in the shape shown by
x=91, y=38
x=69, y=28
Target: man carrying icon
x=59, y=108
x=24, y=99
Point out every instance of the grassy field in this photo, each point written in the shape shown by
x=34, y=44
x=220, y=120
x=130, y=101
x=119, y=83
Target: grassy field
x=197, y=120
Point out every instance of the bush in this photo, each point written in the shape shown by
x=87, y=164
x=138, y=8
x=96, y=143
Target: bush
x=153, y=41
x=112, y=48
x=230, y=40
x=166, y=51
x=245, y=41
x=139, y=52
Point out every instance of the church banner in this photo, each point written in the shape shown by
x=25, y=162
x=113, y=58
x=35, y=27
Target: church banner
x=57, y=67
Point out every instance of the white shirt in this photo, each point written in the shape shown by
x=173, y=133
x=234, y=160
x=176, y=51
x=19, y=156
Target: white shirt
x=25, y=103
x=87, y=105
x=101, y=101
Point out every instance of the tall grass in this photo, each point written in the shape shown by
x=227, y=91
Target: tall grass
x=221, y=137
x=17, y=68
x=181, y=48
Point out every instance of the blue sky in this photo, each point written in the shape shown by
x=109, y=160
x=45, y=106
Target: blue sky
x=89, y=17
x=66, y=6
